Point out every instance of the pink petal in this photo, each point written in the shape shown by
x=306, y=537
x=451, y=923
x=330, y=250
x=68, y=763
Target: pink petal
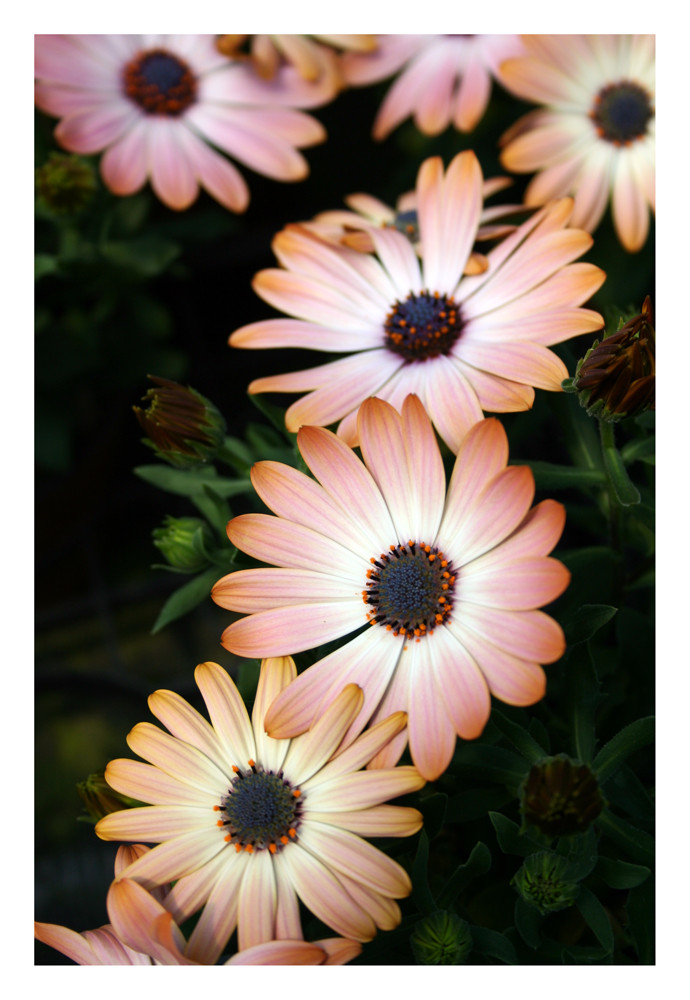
x=275, y=675
x=356, y=858
x=325, y=896
x=124, y=166
x=459, y=684
x=257, y=901
x=307, y=298
x=360, y=789
x=530, y=635
x=171, y=860
x=294, y=628
x=532, y=364
x=251, y=590
x=473, y=98
x=630, y=212
x=511, y=679
x=173, y=757
x=215, y=173
x=310, y=751
x=450, y=399
x=430, y=731
x=92, y=130
x=284, y=543
x=375, y=821
x=172, y=173
x=149, y=784
x=515, y=586
x=227, y=712
x=219, y=917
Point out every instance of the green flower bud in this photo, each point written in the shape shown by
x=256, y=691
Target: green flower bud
x=176, y=540
x=616, y=377
x=560, y=796
x=542, y=882
x=441, y=939
x=100, y=799
x=183, y=427
x=65, y=183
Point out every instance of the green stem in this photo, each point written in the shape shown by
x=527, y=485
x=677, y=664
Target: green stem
x=622, y=490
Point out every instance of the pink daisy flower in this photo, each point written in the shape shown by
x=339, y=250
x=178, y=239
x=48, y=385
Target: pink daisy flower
x=448, y=583
x=463, y=344
x=313, y=56
x=246, y=824
x=160, y=106
x=443, y=79
x=595, y=137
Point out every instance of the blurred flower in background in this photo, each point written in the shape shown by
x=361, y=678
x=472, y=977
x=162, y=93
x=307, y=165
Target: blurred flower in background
x=443, y=79
x=313, y=56
x=595, y=139
x=160, y=106
x=463, y=344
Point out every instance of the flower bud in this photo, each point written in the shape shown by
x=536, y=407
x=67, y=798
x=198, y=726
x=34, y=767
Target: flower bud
x=65, y=183
x=442, y=938
x=176, y=540
x=183, y=427
x=616, y=377
x=560, y=796
x=542, y=882
x=100, y=799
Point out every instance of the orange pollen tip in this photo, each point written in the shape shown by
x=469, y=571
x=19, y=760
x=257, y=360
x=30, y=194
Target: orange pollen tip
x=249, y=848
x=441, y=600
x=292, y=832
x=296, y=792
x=284, y=840
x=432, y=557
x=372, y=560
x=216, y=808
x=220, y=822
x=444, y=562
x=235, y=769
x=238, y=847
x=272, y=848
x=252, y=763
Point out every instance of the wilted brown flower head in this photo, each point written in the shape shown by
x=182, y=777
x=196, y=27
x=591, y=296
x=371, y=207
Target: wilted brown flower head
x=560, y=797
x=616, y=377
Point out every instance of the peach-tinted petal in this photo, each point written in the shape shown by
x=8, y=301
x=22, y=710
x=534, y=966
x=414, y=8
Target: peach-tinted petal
x=257, y=901
x=220, y=915
x=124, y=166
x=226, y=710
x=510, y=678
x=169, y=860
x=361, y=789
x=284, y=543
x=430, y=731
x=175, y=758
x=630, y=212
x=275, y=675
x=309, y=751
x=269, y=633
x=376, y=821
x=150, y=784
x=517, y=585
x=532, y=364
x=357, y=859
x=460, y=685
x=527, y=634
x=92, y=130
x=172, y=175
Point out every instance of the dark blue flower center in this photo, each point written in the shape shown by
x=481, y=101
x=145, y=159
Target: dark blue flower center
x=260, y=811
x=622, y=112
x=424, y=326
x=410, y=589
x=160, y=83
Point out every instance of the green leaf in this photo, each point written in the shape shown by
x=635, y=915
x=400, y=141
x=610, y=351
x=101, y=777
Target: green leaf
x=493, y=945
x=582, y=698
x=421, y=893
x=595, y=917
x=621, y=874
x=510, y=840
x=478, y=863
x=519, y=737
x=581, y=855
x=528, y=921
x=191, y=482
x=587, y=621
x=486, y=762
x=638, y=844
x=556, y=477
x=215, y=509
x=612, y=756
x=275, y=414
x=186, y=598
x=45, y=263
x=642, y=449
x=146, y=255
x=433, y=808
x=641, y=920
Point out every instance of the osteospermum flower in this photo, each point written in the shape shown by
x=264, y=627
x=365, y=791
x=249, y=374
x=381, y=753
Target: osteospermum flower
x=247, y=824
x=462, y=344
x=443, y=79
x=313, y=56
x=160, y=106
x=447, y=585
x=351, y=226
x=595, y=137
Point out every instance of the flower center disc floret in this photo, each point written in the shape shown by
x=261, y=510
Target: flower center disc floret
x=410, y=589
x=622, y=112
x=160, y=83
x=261, y=810
x=424, y=326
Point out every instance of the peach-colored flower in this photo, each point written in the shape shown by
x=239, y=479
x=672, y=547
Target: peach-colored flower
x=448, y=583
x=463, y=344
x=352, y=226
x=444, y=79
x=594, y=138
x=313, y=56
x=246, y=824
x=157, y=105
